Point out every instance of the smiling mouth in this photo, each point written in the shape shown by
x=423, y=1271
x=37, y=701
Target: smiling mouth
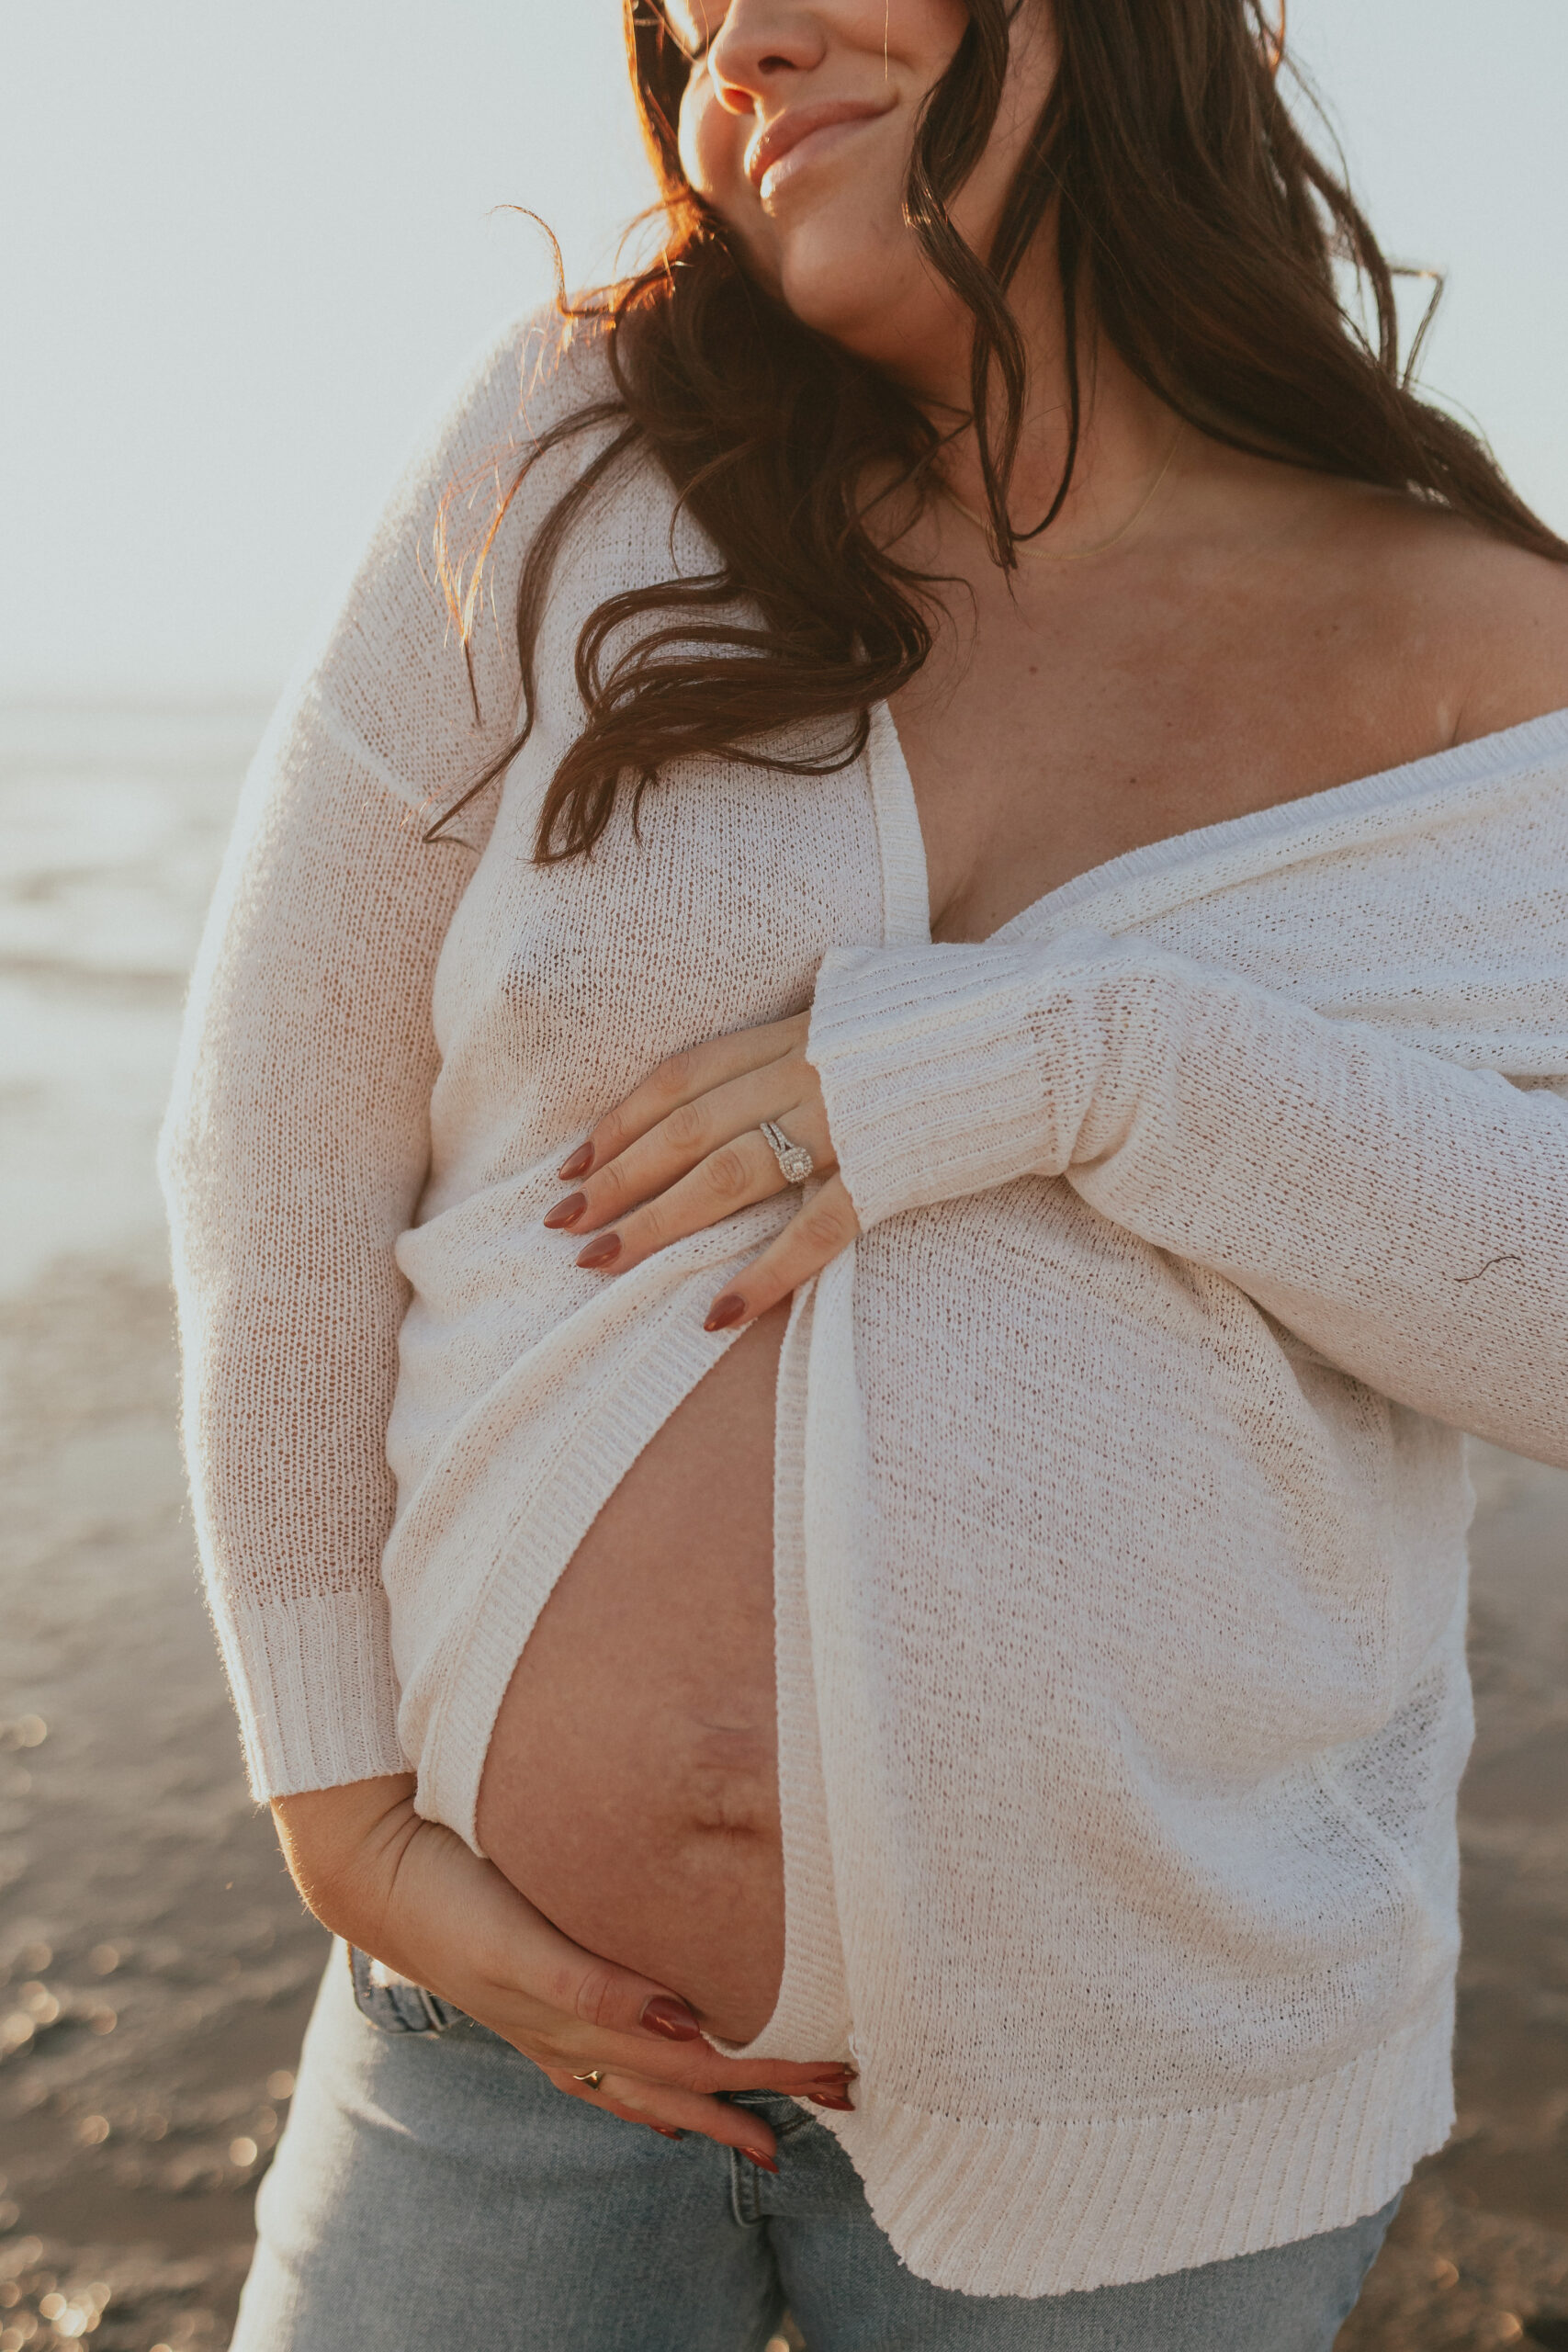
x=798, y=139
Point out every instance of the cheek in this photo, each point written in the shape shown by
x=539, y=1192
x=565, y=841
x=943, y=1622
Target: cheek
x=712, y=143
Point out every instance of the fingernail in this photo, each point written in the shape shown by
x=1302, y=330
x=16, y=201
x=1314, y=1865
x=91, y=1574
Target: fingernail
x=762, y=2163
x=665, y=2132
x=723, y=1312
x=600, y=1251
x=671, y=2018
x=833, y=2100
x=580, y=1163
x=566, y=1212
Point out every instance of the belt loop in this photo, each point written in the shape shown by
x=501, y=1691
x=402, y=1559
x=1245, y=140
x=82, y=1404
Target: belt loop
x=744, y=2202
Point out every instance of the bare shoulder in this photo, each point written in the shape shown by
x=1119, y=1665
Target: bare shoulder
x=1486, y=621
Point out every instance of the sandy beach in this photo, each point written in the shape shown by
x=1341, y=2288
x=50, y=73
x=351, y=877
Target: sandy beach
x=155, y=1966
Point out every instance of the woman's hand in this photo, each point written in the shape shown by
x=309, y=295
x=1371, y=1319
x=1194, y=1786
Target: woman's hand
x=413, y=1897
x=685, y=1148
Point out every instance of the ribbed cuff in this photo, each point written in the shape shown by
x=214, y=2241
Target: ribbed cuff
x=946, y=1070
x=316, y=1691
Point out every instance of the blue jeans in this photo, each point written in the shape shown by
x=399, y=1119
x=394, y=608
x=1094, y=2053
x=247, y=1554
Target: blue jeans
x=432, y=2189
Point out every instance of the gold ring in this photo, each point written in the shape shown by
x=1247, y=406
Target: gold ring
x=594, y=2077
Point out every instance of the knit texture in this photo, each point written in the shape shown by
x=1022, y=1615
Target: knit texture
x=1120, y=1505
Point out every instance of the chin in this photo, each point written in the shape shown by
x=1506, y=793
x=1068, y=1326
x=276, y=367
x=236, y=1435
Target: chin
x=823, y=302
x=852, y=297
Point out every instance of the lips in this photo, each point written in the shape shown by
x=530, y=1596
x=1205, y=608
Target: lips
x=779, y=138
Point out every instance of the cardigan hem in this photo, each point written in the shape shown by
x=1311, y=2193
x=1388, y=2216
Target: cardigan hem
x=1063, y=2206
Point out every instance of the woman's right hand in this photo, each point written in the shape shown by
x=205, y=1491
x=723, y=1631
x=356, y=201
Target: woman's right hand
x=412, y=1896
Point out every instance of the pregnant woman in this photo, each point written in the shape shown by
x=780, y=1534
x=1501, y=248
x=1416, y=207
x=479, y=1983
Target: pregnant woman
x=880, y=1069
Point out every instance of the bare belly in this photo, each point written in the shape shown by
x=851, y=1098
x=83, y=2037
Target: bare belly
x=631, y=1787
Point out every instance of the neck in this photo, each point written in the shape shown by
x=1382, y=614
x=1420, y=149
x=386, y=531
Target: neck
x=1125, y=431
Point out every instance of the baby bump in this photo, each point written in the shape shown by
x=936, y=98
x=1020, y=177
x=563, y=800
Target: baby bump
x=631, y=1787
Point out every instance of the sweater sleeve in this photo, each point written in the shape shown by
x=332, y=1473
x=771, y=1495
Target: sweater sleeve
x=1403, y=1215
x=296, y=1142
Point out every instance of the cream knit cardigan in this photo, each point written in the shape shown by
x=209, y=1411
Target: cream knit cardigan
x=1121, y=1512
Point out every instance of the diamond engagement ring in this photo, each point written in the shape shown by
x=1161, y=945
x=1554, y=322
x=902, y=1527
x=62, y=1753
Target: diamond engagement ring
x=796, y=1162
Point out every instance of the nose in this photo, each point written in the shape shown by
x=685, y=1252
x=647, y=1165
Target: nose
x=759, y=45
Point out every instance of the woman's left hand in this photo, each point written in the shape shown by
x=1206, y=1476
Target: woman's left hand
x=685, y=1149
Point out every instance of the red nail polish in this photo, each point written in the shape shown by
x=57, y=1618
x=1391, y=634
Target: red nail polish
x=762, y=2163
x=665, y=2132
x=671, y=2018
x=601, y=1251
x=581, y=1161
x=566, y=1212
x=723, y=1312
x=826, y=2098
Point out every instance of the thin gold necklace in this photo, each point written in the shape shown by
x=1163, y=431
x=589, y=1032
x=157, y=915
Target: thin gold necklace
x=1076, y=555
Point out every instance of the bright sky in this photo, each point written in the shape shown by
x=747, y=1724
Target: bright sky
x=248, y=249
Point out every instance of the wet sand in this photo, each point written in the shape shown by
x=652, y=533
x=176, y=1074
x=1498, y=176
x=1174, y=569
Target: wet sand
x=155, y=1966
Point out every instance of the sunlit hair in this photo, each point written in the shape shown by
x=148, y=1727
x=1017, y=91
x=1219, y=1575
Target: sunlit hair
x=1190, y=216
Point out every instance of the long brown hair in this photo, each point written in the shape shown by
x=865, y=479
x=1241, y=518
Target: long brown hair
x=1190, y=213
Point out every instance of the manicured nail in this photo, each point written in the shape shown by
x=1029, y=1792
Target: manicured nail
x=672, y=2018
x=833, y=2100
x=665, y=2132
x=566, y=1212
x=580, y=1163
x=762, y=2163
x=601, y=1251
x=723, y=1312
